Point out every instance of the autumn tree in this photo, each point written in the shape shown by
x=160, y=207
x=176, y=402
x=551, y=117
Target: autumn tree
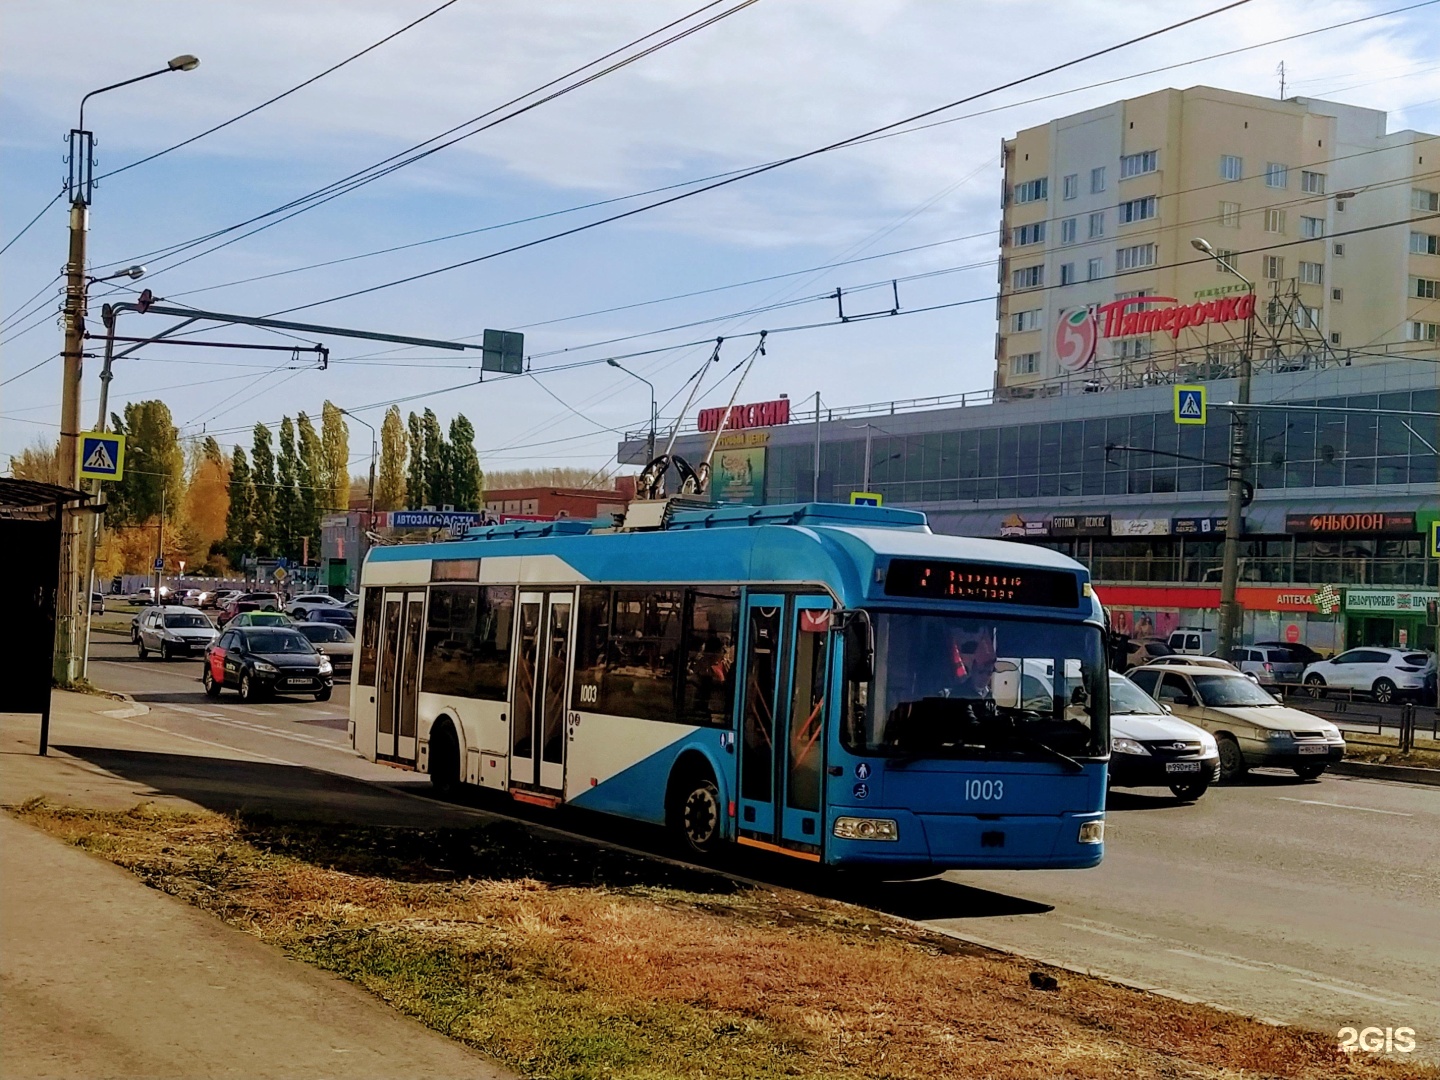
x=312, y=486
x=39, y=462
x=394, y=448
x=335, y=446
x=415, y=491
x=207, y=503
x=262, y=454
x=466, y=480
x=154, y=466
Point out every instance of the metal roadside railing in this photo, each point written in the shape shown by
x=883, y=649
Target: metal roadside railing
x=1339, y=705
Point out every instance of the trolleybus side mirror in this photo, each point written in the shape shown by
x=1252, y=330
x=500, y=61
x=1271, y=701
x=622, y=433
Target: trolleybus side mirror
x=859, y=647
x=1005, y=685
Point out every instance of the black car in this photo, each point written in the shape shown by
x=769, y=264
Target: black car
x=1301, y=654
x=263, y=660
x=338, y=615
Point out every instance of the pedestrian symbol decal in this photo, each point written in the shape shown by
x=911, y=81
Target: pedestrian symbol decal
x=1189, y=404
x=102, y=456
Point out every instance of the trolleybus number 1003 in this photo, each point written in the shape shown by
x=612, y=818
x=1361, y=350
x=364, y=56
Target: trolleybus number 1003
x=985, y=790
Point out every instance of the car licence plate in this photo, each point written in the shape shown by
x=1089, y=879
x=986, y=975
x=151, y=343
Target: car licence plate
x=297, y=682
x=1314, y=749
x=1182, y=766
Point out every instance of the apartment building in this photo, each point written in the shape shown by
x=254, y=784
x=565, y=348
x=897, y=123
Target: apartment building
x=1335, y=220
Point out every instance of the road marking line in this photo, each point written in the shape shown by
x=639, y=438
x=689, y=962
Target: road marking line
x=1352, y=993
x=1343, y=806
x=1107, y=933
x=1215, y=959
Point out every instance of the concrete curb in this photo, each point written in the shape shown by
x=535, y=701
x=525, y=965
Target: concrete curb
x=1407, y=774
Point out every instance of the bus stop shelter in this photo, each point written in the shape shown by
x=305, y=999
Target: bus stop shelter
x=31, y=515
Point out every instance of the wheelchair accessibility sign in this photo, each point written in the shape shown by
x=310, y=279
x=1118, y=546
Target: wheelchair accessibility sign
x=1189, y=404
x=102, y=456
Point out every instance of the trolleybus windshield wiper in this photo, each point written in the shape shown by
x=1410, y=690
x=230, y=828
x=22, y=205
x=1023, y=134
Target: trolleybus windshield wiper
x=1031, y=740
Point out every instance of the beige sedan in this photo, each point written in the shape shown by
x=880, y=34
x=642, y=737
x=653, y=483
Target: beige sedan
x=1251, y=727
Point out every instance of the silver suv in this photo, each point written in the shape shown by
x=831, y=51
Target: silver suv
x=1268, y=666
x=173, y=631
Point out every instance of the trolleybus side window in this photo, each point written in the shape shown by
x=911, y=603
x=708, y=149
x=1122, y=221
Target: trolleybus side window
x=711, y=615
x=757, y=751
x=657, y=653
x=370, y=638
x=467, y=641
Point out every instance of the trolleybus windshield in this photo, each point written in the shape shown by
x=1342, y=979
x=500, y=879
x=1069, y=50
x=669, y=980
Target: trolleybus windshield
x=960, y=686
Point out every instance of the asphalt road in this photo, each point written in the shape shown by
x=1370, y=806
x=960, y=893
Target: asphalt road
x=1315, y=903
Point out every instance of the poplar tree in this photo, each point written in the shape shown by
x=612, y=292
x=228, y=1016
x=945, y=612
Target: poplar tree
x=437, y=462
x=313, y=489
x=415, y=477
x=287, y=498
x=394, y=449
x=240, y=519
x=262, y=454
x=335, y=445
x=466, y=480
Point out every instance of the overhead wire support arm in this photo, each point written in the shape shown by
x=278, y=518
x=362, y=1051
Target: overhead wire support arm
x=286, y=324
x=839, y=295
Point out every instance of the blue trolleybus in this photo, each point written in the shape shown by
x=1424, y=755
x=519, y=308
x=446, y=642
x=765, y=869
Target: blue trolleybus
x=834, y=683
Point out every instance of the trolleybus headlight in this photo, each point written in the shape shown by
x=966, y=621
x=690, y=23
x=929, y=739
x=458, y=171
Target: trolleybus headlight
x=1127, y=746
x=1092, y=832
x=860, y=828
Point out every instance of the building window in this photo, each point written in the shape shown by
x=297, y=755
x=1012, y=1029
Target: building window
x=1422, y=331
x=1028, y=234
x=1033, y=190
x=1097, y=224
x=1067, y=273
x=1025, y=320
x=1424, y=244
x=1339, y=250
x=1275, y=221
x=1425, y=288
x=1312, y=228
x=1133, y=348
x=1025, y=364
x=1072, y=185
x=1227, y=256
x=1274, y=267
x=1230, y=215
x=1095, y=270
x=1097, y=180
x=1231, y=167
x=1137, y=210
x=1276, y=175
x=1312, y=273
x=1307, y=318
x=1424, y=200
x=1133, y=258
x=1312, y=183
x=1138, y=164
x=1067, y=230
x=1335, y=337
x=1337, y=295
x=1028, y=277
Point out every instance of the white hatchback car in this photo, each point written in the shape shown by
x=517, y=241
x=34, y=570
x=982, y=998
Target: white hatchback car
x=1386, y=674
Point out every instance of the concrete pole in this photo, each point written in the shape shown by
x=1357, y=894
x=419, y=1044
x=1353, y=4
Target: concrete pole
x=67, y=603
x=1230, y=613
x=815, y=494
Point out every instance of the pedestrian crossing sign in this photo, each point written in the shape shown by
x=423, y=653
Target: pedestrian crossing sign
x=102, y=456
x=1189, y=404
x=866, y=498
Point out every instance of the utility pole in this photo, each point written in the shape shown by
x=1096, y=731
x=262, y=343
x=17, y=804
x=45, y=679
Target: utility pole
x=72, y=602
x=1230, y=613
x=815, y=493
x=160, y=545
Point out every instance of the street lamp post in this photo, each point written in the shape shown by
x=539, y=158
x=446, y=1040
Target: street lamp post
x=373, y=451
x=1230, y=619
x=71, y=593
x=654, y=420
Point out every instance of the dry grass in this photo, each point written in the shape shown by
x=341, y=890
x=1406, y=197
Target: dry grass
x=566, y=961
x=1381, y=748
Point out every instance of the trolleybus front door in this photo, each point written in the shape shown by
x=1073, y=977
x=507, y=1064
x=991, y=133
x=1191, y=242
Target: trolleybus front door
x=782, y=719
x=398, y=690
x=538, y=704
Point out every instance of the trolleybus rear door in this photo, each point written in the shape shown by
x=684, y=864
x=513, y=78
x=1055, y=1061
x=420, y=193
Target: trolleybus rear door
x=398, y=689
x=803, y=773
x=760, y=682
x=538, y=701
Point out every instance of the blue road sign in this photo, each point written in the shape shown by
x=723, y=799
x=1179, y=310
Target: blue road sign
x=159, y=565
x=1189, y=404
x=102, y=456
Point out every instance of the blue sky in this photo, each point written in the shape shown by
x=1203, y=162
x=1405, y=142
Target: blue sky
x=777, y=78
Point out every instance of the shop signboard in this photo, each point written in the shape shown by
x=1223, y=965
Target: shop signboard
x=1080, y=525
x=1388, y=601
x=1140, y=527
x=1198, y=526
x=1014, y=526
x=1378, y=521
x=739, y=476
x=433, y=519
x=759, y=414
